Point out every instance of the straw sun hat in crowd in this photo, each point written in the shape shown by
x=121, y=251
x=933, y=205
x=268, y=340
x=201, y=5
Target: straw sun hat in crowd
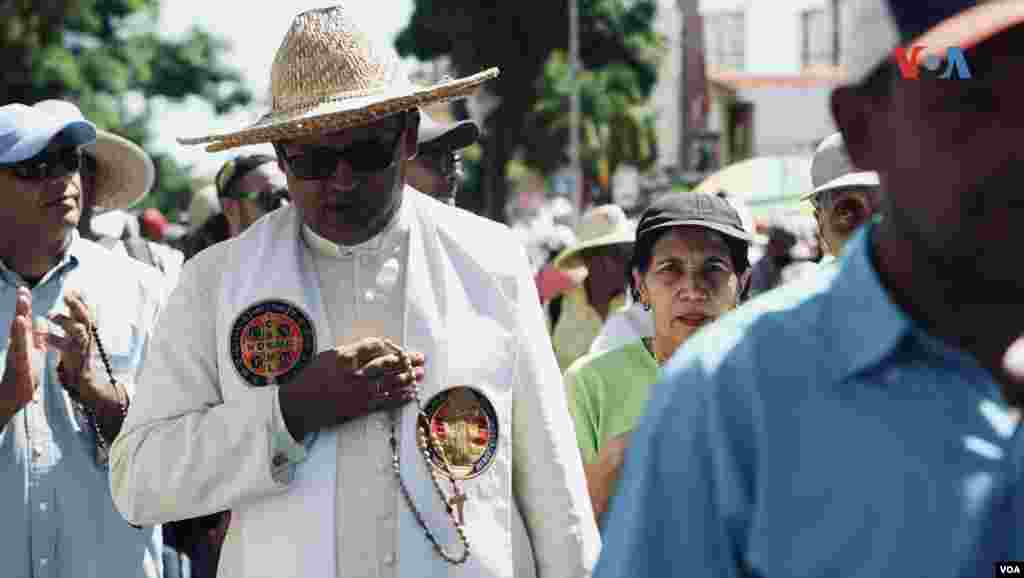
x=124, y=172
x=330, y=74
x=601, y=226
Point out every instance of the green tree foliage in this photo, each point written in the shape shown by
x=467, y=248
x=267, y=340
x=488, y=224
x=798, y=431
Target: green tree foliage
x=617, y=127
x=520, y=38
x=107, y=56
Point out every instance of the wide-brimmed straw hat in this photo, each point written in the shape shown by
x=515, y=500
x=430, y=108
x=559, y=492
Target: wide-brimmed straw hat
x=600, y=227
x=124, y=172
x=330, y=74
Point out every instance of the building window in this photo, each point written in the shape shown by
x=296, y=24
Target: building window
x=819, y=47
x=725, y=40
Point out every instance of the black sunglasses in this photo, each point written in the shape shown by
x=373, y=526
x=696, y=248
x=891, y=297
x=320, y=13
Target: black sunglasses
x=321, y=162
x=48, y=164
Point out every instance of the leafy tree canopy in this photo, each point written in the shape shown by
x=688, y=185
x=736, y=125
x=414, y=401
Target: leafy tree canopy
x=520, y=38
x=108, y=57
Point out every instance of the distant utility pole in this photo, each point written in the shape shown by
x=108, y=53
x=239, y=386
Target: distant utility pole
x=836, y=23
x=574, y=106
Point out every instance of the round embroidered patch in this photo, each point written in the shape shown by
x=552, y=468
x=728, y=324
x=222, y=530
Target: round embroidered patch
x=463, y=426
x=271, y=341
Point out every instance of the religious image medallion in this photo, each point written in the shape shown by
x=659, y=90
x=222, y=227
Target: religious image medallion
x=463, y=428
x=270, y=342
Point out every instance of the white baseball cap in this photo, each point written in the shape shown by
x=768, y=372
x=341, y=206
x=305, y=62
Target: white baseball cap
x=27, y=130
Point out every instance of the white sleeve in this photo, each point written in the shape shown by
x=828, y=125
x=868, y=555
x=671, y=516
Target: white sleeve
x=547, y=473
x=182, y=451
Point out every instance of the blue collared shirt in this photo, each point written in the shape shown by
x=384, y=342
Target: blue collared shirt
x=57, y=519
x=815, y=431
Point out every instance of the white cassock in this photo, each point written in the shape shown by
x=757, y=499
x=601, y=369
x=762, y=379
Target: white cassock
x=205, y=433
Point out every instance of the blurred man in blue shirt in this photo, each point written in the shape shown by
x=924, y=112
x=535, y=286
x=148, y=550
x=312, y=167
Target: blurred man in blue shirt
x=862, y=423
x=74, y=319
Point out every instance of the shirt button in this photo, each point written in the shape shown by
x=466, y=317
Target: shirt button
x=44, y=561
x=43, y=506
x=36, y=453
x=369, y=295
x=389, y=559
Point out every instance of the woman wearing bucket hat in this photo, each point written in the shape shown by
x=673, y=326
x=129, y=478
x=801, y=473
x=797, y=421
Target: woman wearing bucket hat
x=689, y=267
x=365, y=371
x=604, y=240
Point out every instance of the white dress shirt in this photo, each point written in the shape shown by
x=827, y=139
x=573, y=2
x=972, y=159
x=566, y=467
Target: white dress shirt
x=624, y=326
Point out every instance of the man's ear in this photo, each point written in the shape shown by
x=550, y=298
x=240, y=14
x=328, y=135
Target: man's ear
x=744, y=285
x=638, y=283
x=856, y=114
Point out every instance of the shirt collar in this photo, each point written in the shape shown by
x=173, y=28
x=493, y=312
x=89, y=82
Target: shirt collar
x=392, y=234
x=69, y=259
x=868, y=326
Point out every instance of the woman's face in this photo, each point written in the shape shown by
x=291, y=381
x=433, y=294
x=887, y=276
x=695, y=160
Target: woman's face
x=690, y=281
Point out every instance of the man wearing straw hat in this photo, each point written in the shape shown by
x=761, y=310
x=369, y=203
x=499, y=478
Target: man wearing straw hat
x=363, y=377
x=77, y=319
x=604, y=243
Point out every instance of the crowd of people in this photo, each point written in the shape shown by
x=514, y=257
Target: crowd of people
x=334, y=371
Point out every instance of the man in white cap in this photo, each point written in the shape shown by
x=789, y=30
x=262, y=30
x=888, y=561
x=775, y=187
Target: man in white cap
x=844, y=197
x=363, y=377
x=604, y=245
x=77, y=319
x=437, y=167
x=863, y=423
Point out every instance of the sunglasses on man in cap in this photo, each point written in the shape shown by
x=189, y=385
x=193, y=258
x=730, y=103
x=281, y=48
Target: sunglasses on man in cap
x=48, y=164
x=267, y=200
x=370, y=155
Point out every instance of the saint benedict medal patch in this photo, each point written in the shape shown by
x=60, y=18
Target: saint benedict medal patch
x=271, y=341
x=463, y=426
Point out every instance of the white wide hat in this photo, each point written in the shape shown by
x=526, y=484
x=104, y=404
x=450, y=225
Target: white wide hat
x=832, y=169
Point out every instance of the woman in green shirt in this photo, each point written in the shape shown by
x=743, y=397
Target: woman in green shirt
x=689, y=266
